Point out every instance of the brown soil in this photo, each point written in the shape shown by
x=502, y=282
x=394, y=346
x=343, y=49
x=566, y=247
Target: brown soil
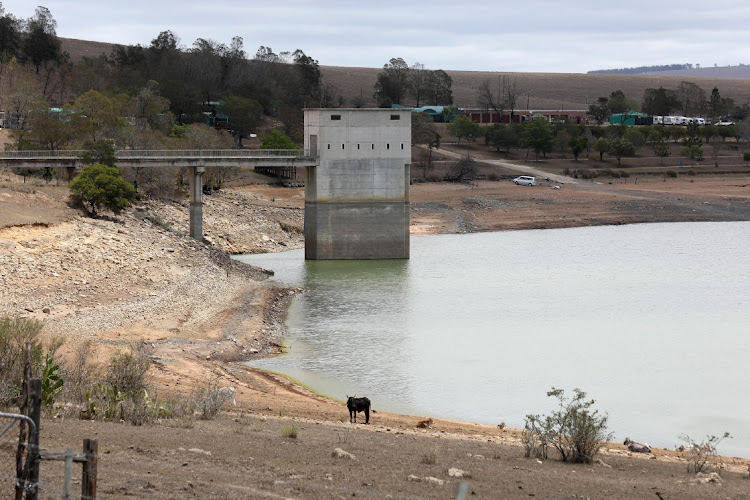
x=116, y=281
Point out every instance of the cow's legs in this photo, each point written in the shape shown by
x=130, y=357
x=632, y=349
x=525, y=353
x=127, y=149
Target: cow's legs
x=367, y=414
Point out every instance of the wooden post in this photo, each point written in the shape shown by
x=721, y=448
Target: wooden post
x=32, y=456
x=68, y=474
x=21, y=472
x=88, y=484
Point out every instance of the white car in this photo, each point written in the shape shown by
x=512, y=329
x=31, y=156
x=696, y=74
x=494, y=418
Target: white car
x=525, y=180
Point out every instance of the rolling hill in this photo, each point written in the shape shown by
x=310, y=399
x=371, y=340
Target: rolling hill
x=542, y=91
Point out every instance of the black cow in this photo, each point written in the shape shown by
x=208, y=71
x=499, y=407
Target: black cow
x=358, y=405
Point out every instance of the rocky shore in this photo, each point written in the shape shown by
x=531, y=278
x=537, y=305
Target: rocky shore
x=139, y=277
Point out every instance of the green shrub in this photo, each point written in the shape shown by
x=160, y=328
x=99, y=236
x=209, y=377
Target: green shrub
x=124, y=393
x=575, y=430
x=127, y=370
x=52, y=381
x=15, y=332
x=100, y=186
x=671, y=173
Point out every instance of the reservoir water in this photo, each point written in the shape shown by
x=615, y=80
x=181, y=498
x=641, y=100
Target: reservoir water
x=650, y=320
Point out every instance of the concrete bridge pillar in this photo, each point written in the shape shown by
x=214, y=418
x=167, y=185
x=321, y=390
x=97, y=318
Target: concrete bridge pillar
x=195, y=183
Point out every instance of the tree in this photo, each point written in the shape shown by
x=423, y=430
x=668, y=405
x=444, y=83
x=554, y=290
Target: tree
x=23, y=101
x=418, y=77
x=716, y=146
x=244, y=115
x=635, y=137
x=101, y=186
x=463, y=128
x=46, y=131
x=393, y=82
x=438, y=88
x=577, y=145
x=201, y=136
x=461, y=168
x=101, y=152
x=277, y=139
x=619, y=103
x=504, y=135
x=602, y=146
x=539, y=136
x=692, y=99
x=661, y=149
x=309, y=73
x=206, y=56
x=499, y=98
x=150, y=109
x=96, y=115
x=600, y=110
x=743, y=130
x=41, y=43
x=10, y=36
x=620, y=148
x=716, y=104
x=659, y=102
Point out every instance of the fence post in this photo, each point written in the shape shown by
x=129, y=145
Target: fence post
x=68, y=474
x=88, y=483
x=21, y=472
x=32, y=456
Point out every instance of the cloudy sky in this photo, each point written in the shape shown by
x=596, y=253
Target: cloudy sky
x=572, y=36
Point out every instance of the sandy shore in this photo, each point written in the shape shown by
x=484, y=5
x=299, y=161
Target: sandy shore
x=138, y=277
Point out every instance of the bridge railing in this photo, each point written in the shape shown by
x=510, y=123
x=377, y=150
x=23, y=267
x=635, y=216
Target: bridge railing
x=163, y=153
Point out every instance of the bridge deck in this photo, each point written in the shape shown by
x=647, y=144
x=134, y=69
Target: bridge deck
x=167, y=158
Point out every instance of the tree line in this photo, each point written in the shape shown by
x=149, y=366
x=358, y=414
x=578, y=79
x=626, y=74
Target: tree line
x=688, y=99
x=641, y=69
x=153, y=87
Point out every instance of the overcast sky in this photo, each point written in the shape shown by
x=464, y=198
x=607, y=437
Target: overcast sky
x=557, y=36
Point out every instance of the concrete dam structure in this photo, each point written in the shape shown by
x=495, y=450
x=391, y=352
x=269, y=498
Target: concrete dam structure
x=357, y=196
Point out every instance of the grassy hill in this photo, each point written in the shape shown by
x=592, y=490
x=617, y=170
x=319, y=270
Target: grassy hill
x=540, y=90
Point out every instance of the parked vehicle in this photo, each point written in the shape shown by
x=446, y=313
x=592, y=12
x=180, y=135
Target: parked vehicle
x=525, y=180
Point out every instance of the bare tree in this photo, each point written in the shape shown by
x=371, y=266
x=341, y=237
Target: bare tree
x=418, y=77
x=461, y=168
x=499, y=97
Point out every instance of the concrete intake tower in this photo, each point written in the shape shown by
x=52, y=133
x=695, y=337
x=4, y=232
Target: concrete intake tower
x=357, y=197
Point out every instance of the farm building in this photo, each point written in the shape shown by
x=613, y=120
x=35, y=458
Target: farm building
x=576, y=116
x=630, y=118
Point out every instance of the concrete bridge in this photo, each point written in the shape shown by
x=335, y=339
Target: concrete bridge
x=283, y=161
x=166, y=158
x=357, y=164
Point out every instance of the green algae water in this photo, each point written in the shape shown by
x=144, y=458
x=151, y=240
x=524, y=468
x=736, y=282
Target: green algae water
x=651, y=320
